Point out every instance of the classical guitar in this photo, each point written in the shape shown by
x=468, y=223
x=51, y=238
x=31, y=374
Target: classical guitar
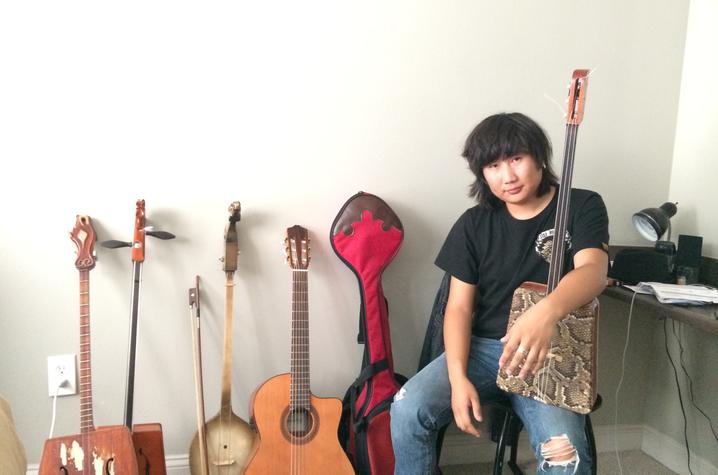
x=230, y=440
x=568, y=377
x=147, y=437
x=297, y=430
x=94, y=450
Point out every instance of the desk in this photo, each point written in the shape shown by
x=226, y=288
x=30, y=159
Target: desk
x=704, y=317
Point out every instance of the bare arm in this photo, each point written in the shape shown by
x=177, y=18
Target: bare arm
x=457, y=341
x=534, y=330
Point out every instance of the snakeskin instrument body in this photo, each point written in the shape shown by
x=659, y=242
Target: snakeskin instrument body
x=568, y=378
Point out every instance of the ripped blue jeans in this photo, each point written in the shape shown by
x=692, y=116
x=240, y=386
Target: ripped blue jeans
x=423, y=406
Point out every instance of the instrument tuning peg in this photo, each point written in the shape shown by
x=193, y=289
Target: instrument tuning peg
x=164, y=235
x=221, y=259
x=115, y=244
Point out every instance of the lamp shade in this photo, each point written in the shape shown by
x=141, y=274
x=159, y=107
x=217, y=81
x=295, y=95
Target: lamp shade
x=652, y=223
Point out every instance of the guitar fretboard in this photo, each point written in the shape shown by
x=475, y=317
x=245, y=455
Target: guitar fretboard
x=562, y=207
x=299, y=397
x=86, y=417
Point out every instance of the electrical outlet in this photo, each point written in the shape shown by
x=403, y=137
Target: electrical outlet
x=61, y=368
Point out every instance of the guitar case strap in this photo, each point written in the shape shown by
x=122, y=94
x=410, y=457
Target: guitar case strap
x=366, y=235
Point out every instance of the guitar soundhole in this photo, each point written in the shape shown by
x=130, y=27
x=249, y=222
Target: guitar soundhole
x=299, y=422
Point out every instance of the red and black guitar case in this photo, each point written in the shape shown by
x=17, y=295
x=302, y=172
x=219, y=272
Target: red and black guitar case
x=366, y=235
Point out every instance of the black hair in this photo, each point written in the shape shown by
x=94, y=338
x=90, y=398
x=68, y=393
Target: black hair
x=506, y=135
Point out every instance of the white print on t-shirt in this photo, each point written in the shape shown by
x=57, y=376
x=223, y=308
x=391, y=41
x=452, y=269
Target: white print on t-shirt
x=544, y=243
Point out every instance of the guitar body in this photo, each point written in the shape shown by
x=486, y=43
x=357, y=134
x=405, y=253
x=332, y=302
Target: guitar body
x=106, y=450
x=230, y=442
x=315, y=448
x=149, y=448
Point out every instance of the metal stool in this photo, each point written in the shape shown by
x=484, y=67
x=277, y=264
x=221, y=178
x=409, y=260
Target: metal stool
x=505, y=432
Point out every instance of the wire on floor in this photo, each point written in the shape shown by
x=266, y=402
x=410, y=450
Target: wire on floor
x=620, y=382
x=680, y=396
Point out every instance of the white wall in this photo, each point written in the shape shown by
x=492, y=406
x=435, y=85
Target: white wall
x=694, y=157
x=693, y=177
x=289, y=108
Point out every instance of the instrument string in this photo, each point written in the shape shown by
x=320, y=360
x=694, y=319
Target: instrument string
x=299, y=387
x=305, y=377
x=293, y=379
x=85, y=347
x=558, y=247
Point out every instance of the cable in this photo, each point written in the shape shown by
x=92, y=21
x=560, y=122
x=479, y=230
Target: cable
x=680, y=397
x=64, y=382
x=620, y=381
x=690, y=382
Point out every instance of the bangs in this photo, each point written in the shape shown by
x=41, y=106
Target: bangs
x=506, y=138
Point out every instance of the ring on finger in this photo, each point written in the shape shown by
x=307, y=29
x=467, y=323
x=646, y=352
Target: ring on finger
x=522, y=350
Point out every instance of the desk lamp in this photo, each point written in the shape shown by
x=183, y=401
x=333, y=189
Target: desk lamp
x=653, y=223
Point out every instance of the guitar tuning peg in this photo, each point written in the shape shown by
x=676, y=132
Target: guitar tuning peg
x=221, y=259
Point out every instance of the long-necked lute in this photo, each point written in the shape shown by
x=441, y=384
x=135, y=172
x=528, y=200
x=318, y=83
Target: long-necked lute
x=297, y=430
x=568, y=377
x=99, y=450
x=147, y=437
x=230, y=440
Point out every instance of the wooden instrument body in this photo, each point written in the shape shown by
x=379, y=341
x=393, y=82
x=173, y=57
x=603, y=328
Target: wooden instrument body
x=99, y=452
x=149, y=448
x=230, y=442
x=318, y=451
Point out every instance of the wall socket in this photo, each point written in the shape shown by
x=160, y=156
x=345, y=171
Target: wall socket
x=60, y=368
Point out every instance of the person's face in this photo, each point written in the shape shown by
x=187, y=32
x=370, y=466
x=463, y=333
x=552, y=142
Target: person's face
x=515, y=179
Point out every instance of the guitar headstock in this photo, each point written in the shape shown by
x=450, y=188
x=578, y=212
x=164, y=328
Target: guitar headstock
x=83, y=235
x=297, y=247
x=138, y=241
x=231, y=242
x=577, y=96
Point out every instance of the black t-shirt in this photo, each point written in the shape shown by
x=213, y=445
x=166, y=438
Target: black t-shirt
x=497, y=252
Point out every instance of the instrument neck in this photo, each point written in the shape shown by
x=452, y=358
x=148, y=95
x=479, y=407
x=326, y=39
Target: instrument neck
x=226, y=403
x=299, y=388
x=87, y=423
x=132, y=347
x=562, y=208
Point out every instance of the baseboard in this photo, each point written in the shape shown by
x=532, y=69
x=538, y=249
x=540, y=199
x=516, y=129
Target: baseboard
x=460, y=448
x=673, y=454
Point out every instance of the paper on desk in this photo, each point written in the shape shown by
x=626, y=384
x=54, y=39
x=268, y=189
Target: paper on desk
x=680, y=294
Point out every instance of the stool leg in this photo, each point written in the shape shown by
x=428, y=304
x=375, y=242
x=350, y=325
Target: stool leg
x=501, y=444
x=591, y=445
x=515, y=428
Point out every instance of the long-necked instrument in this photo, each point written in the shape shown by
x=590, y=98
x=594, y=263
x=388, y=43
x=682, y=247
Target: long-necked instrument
x=297, y=430
x=94, y=450
x=230, y=440
x=147, y=437
x=568, y=377
x=198, y=465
